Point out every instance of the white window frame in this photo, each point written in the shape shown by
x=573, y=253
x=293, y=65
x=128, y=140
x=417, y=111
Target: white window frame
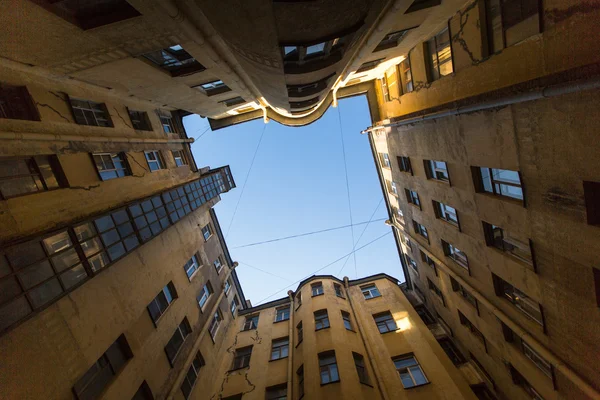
x=206, y=293
x=208, y=229
x=154, y=157
x=215, y=324
x=218, y=265
x=370, y=291
x=407, y=369
x=195, y=265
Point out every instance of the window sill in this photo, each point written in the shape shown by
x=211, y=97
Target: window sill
x=329, y=383
x=237, y=369
x=396, y=330
x=466, y=267
x=208, y=238
x=371, y=298
x=194, y=274
x=281, y=320
x=417, y=386
x=277, y=359
x=504, y=198
x=452, y=224
x=322, y=329
x=248, y=330
x=320, y=294
x=514, y=258
x=416, y=206
x=443, y=182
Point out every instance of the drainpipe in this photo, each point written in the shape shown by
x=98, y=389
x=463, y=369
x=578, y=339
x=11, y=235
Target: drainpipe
x=196, y=345
x=378, y=379
x=290, y=373
x=537, y=94
x=523, y=334
x=57, y=137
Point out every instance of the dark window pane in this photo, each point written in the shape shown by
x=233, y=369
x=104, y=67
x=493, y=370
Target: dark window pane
x=65, y=260
x=44, y=293
x=116, y=251
x=25, y=254
x=73, y=276
x=13, y=311
x=35, y=274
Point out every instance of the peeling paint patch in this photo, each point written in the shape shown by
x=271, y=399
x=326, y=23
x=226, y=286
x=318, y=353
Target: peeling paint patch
x=555, y=15
x=562, y=199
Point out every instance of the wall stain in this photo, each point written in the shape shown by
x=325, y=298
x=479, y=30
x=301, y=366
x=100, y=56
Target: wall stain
x=53, y=109
x=562, y=199
x=555, y=15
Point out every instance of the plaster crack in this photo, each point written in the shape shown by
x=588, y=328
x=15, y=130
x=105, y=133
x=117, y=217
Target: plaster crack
x=53, y=109
x=122, y=119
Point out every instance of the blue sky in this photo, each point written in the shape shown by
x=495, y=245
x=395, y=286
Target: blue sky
x=297, y=185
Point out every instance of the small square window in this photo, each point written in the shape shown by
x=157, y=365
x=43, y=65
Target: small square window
x=140, y=120
x=180, y=158
x=282, y=314
x=213, y=87
x=207, y=232
x=385, y=322
x=437, y=170
x=155, y=160
x=370, y=291
x=111, y=165
x=175, y=60
x=410, y=371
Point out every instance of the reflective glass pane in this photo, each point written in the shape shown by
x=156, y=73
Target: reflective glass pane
x=25, y=254
x=9, y=288
x=65, y=260
x=406, y=380
x=57, y=242
x=116, y=251
x=104, y=223
x=110, y=237
x=44, y=293
x=85, y=231
x=98, y=261
x=35, y=274
x=418, y=375
x=91, y=246
x=120, y=216
x=73, y=276
x=131, y=243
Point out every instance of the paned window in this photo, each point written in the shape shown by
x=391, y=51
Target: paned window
x=162, y=301
x=499, y=182
x=300, y=332
x=280, y=348
x=218, y=264
x=412, y=197
x=178, y=204
x=282, y=314
x=300, y=374
x=433, y=287
x=385, y=91
x=457, y=287
x=235, y=304
x=321, y=320
x=213, y=87
x=150, y=217
x=440, y=55
x=427, y=260
x=347, y=320
x=410, y=371
x=155, y=160
x=445, y=212
x=328, y=367
x=472, y=328
x=391, y=40
x=90, y=113
x=16, y=103
x=514, y=245
x=361, y=369
x=104, y=370
x=338, y=290
x=436, y=170
x=370, y=291
x=191, y=266
x=520, y=380
x=19, y=176
x=111, y=165
x=524, y=303
x=421, y=230
x=174, y=345
x=385, y=160
x=140, y=120
x=510, y=21
x=406, y=76
x=456, y=254
x=317, y=289
x=192, y=375
x=385, y=322
x=227, y=286
x=278, y=392
x=175, y=60
x=251, y=322
x=241, y=357
x=204, y=295
x=451, y=350
x=424, y=314
x=215, y=323
x=179, y=157
x=207, y=232
x=413, y=264
x=392, y=187
x=404, y=164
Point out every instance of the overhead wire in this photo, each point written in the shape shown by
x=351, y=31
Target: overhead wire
x=305, y=234
x=246, y=180
x=202, y=134
x=347, y=185
x=262, y=270
x=322, y=268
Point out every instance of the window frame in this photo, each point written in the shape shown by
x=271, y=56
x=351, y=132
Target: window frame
x=280, y=348
x=11, y=94
x=404, y=164
x=213, y=90
x=99, y=111
x=337, y=288
x=435, y=289
x=35, y=172
x=181, y=63
x=299, y=333
x=421, y=230
x=169, y=298
x=407, y=85
x=466, y=322
x=371, y=289
x=244, y=355
x=380, y=322
x=432, y=170
x=451, y=252
x=504, y=244
x=281, y=311
x=443, y=214
x=407, y=369
x=205, y=293
x=480, y=186
x=517, y=298
x=385, y=90
x=184, y=330
x=317, y=289
x=328, y=363
x=250, y=322
x=215, y=323
x=347, y=320
x=433, y=48
x=195, y=367
x=194, y=266
x=181, y=156
x=360, y=365
x=412, y=197
x=321, y=318
x=209, y=229
x=158, y=160
x=120, y=157
x=142, y=118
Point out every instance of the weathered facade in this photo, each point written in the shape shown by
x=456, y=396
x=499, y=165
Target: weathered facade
x=487, y=154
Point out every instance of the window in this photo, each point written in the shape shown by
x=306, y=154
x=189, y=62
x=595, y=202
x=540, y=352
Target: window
x=250, y=323
x=321, y=320
x=450, y=349
x=511, y=244
x=499, y=182
x=440, y=55
x=101, y=374
x=180, y=158
x=385, y=322
x=91, y=14
x=233, y=101
x=282, y=313
x=476, y=332
x=427, y=260
x=369, y=65
x=338, y=290
x=361, y=369
x=218, y=264
x=155, y=160
x=90, y=113
x=406, y=75
x=241, y=357
x=370, y=291
x=300, y=374
x=385, y=91
x=407, y=242
x=207, y=232
x=150, y=217
x=445, y=212
x=139, y=120
x=278, y=392
x=299, y=300
x=421, y=230
x=175, y=60
x=234, y=305
x=432, y=286
x=482, y=392
x=392, y=187
x=404, y=164
x=172, y=348
x=308, y=89
x=162, y=301
x=280, y=348
x=111, y=165
x=457, y=287
x=456, y=254
x=518, y=379
x=412, y=263
x=410, y=371
x=213, y=87
x=299, y=332
x=19, y=176
x=400, y=216
x=527, y=351
x=192, y=374
x=436, y=170
x=191, y=266
x=215, y=323
x=328, y=367
x=391, y=40
x=304, y=104
x=385, y=160
x=16, y=103
x=347, y=320
x=317, y=289
x=204, y=295
x=524, y=303
x=143, y=393
x=424, y=314
x=302, y=58
x=412, y=197
x=509, y=22
x=167, y=122
x=591, y=194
